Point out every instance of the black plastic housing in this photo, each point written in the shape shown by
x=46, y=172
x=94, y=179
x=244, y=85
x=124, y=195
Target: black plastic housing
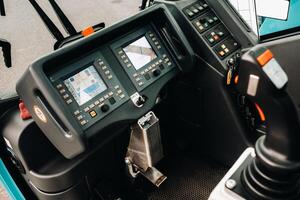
x=60, y=126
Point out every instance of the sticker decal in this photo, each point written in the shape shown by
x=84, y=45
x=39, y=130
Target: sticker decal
x=40, y=114
x=276, y=74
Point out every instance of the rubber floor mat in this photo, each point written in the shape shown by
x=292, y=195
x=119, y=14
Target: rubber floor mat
x=189, y=178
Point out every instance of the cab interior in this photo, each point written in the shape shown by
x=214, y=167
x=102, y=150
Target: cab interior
x=71, y=130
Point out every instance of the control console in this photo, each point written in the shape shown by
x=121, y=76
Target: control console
x=143, y=56
x=90, y=89
x=83, y=94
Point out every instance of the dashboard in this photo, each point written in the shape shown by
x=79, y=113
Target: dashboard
x=112, y=77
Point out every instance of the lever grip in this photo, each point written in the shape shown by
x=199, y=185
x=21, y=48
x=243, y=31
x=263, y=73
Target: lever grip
x=264, y=82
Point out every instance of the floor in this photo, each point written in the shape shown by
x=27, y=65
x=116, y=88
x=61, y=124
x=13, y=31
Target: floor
x=30, y=39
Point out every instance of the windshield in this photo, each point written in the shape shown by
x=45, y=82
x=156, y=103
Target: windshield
x=30, y=39
x=264, y=26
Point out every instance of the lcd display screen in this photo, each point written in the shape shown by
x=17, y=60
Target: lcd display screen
x=85, y=85
x=140, y=53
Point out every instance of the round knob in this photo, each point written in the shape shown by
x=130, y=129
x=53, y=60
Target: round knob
x=156, y=72
x=105, y=108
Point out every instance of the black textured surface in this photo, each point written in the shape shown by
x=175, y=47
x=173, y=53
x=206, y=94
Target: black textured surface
x=189, y=178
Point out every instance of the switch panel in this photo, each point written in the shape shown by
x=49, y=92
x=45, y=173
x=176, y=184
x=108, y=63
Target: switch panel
x=196, y=9
x=216, y=35
x=205, y=22
x=226, y=47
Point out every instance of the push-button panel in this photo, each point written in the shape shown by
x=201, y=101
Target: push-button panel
x=196, y=9
x=90, y=90
x=212, y=31
x=143, y=56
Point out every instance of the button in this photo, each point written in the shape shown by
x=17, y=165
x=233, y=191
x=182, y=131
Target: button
x=101, y=100
x=211, y=40
x=69, y=101
x=226, y=50
x=162, y=67
x=135, y=75
x=158, y=47
x=66, y=96
x=62, y=91
x=123, y=56
x=189, y=13
x=97, y=102
x=86, y=109
x=93, y=114
x=167, y=60
x=59, y=86
x=119, y=91
x=147, y=76
x=140, y=83
x=126, y=61
x=110, y=93
x=92, y=106
x=165, y=55
x=106, y=97
x=112, y=101
x=117, y=87
x=222, y=53
x=101, y=63
x=154, y=39
x=120, y=52
x=107, y=72
x=151, y=34
x=83, y=122
x=195, y=10
x=109, y=77
x=199, y=7
x=105, y=108
x=137, y=79
x=129, y=65
x=156, y=72
x=80, y=117
x=104, y=67
x=122, y=96
x=76, y=112
x=169, y=64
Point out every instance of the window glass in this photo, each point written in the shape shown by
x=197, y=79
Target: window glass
x=269, y=26
x=30, y=39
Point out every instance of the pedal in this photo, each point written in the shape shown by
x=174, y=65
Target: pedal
x=145, y=149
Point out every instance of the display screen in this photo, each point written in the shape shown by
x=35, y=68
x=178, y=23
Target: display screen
x=140, y=53
x=85, y=85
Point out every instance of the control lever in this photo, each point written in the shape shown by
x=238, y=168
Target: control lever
x=145, y=149
x=6, y=48
x=273, y=173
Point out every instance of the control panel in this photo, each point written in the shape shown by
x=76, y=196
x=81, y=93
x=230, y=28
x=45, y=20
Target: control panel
x=143, y=56
x=90, y=89
x=212, y=31
x=84, y=93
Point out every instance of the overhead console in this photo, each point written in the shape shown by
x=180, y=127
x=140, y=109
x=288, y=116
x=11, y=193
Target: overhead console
x=112, y=77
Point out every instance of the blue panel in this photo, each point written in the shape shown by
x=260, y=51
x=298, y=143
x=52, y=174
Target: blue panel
x=275, y=25
x=8, y=187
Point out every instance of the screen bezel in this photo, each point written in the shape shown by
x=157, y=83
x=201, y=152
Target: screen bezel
x=136, y=39
x=78, y=70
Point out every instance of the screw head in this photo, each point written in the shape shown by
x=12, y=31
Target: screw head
x=230, y=184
